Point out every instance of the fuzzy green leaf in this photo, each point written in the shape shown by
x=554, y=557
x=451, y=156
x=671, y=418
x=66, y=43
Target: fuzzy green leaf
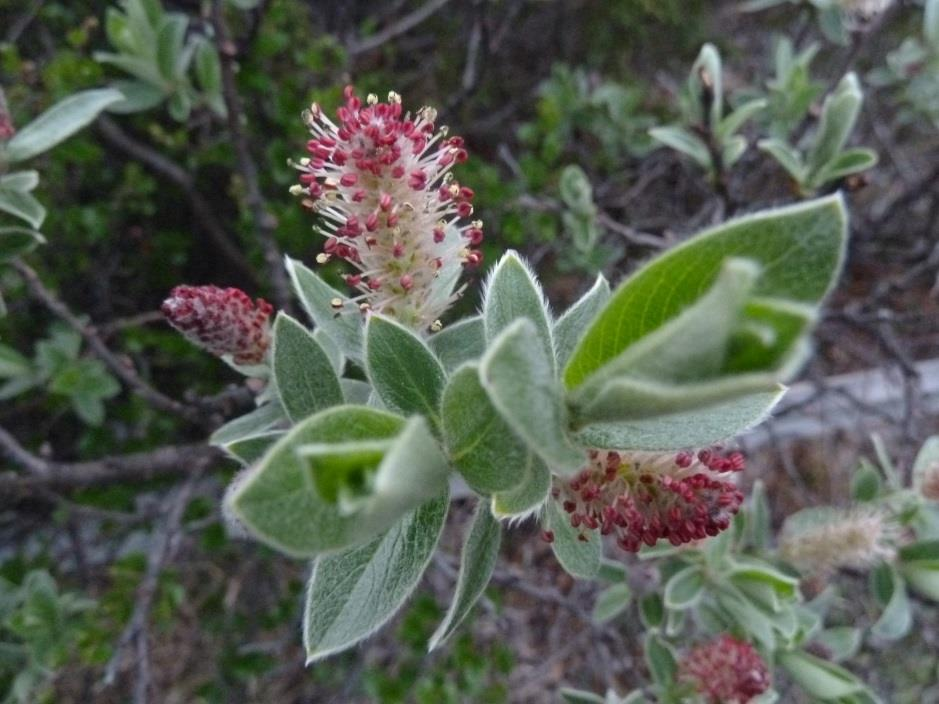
x=661, y=660
x=818, y=677
x=478, y=560
x=278, y=502
x=306, y=381
x=352, y=593
x=890, y=590
x=579, y=558
x=684, y=588
x=571, y=326
x=513, y=292
x=525, y=499
x=839, y=113
x=16, y=241
x=611, y=602
x=402, y=369
x=459, y=343
x=59, y=122
x=479, y=442
x=343, y=323
x=799, y=250
x=520, y=381
x=22, y=205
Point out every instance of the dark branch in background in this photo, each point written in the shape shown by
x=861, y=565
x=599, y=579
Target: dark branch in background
x=122, y=369
x=405, y=24
x=163, y=545
x=46, y=475
x=264, y=222
x=174, y=173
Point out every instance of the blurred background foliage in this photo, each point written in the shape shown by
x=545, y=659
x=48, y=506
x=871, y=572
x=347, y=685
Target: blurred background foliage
x=556, y=99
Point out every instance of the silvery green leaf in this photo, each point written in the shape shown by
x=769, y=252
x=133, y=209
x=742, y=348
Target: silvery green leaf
x=250, y=448
x=342, y=322
x=352, y=593
x=477, y=562
x=850, y=161
x=525, y=499
x=660, y=657
x=336, y=358
x=144, y=69
x=576, y=191
x=260, y=419
x=673, y=416
x=23, y=181
x=480, y=444
x=170, y=37
x=651, y=610
x=180, y=105
x=16, y=241
x=402, y=369
x=735, y=120
x=278, y=503
x=357, y=392
x=665, y=355
x=513, y=292
x=612, y=570
x=733, y=149
x=571, y=326
x=464, y=341
x=684, y=589
x=799, y=250
x=680, y=139
x=839, y=114
x=579, y=558
x=306, y=382
x=118, y=31
x=611, y=602
x=840, y=642
x=889, y=589
x=208, y=68
x=519, y=378
x=59, y=122
x=22, y=205
x=759, y=521
x=138, y=96
x=818, y=677
x=866, y=482
x=787, y=156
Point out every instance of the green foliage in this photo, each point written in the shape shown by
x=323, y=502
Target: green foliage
x=39, y=630
x=157, y=50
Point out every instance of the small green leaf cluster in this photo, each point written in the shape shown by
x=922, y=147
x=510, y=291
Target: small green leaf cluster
x=364, y=422
x=826, y=160
x=912, y=69
x=708, y=135
x=59, y=366
x=163, y=56
x=580, y=214
x=39, y=629
x=711, y=138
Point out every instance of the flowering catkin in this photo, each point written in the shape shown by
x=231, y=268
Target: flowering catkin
x=641, y=497
x=725, y=671
x=222, y=321
x=382, y=185
x=828, y=538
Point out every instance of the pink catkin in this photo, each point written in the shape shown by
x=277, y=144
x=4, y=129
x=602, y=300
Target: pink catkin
x=642, y=497
x=222, y=321
x=381, y=180
x=725, y=671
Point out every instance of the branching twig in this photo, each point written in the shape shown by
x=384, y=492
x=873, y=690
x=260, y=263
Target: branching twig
x=162, y=548
x=123, y=370
x=264, y=222
x=46, y=475
x=405, y=24
x=176, y=174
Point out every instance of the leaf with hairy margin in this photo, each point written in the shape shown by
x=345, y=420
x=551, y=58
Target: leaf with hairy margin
x=477, y=562
x=571, y=326
x=480, y=444
x=520, y=382
x=462, y=342
x=343, y=323
x=354, y=592
x=306, y=381
x=579, y=558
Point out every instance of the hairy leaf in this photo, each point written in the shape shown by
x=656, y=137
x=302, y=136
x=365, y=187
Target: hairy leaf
x=306, y=382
